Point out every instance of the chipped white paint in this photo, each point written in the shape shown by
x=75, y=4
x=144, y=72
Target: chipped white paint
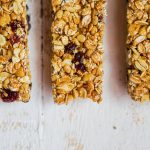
x=116, y=124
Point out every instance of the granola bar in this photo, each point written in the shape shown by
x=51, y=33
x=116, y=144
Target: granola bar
x=77, y=32
x=15, y=76
x=138, y=47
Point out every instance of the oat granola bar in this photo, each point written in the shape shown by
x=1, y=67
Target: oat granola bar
x=77, y=32
x=138, y=46
x=15, y=76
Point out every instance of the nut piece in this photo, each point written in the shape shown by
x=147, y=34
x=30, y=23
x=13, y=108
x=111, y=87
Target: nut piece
x=77, y=31
x=138, y=44
x=4, y=20
x=81, y=38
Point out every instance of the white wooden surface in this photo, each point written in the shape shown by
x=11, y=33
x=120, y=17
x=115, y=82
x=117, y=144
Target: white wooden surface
x=116, y=124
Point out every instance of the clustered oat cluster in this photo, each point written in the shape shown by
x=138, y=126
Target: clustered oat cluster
x=15, y=77
x=138, y=45
x=77, y=32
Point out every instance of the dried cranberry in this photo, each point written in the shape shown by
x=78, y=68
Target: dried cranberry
x=11, y=96
x=70, y=47
x=78, y=57
x=81, y=67
x=131, y=67
x=14, y=26
x=14, y=39
x=100, y=18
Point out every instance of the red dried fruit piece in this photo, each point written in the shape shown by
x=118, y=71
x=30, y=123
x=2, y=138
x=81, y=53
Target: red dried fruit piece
x=78, y=57
x=14, y=39
x=70, y=48
x=100, y=18
x=81, y=67
x=9, y=96
x=14, y=26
